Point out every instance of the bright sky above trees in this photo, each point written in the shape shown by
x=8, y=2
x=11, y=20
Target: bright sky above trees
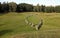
x=35, y=2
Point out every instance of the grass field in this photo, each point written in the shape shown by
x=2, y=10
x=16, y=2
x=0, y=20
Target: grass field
x=12, y=25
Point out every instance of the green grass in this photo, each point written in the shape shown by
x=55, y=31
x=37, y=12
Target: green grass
x=13, y=25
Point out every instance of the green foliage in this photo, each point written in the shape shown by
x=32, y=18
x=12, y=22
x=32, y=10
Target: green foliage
x=5, y=7
x=0, y=7
x=42, y=8
x=50, y=9
x=24, y=7
x=57, y=9
x=38, y=8
x=12, y=7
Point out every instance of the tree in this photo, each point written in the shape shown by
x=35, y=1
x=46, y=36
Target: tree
x=34, y=9
x=23, y=7
x=50, y=9
x=38, y=8
x=42, y=8
x=29, y=7
x=57, y=9
x=0, y=7
x=5, y=7
x=12, y=7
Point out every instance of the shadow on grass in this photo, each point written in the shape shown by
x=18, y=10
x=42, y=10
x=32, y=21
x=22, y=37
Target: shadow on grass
x=2, y=24
x=3, y=32
x=1, y=14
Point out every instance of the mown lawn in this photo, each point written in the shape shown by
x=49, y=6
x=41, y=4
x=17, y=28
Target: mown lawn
x=12, y=25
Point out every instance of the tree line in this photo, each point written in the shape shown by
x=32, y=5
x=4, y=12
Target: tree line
x=24, y=7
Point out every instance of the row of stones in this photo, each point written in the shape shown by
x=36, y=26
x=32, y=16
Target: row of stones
x=37, y=26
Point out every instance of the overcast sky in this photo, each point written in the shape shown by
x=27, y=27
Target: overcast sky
x=35, y=2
